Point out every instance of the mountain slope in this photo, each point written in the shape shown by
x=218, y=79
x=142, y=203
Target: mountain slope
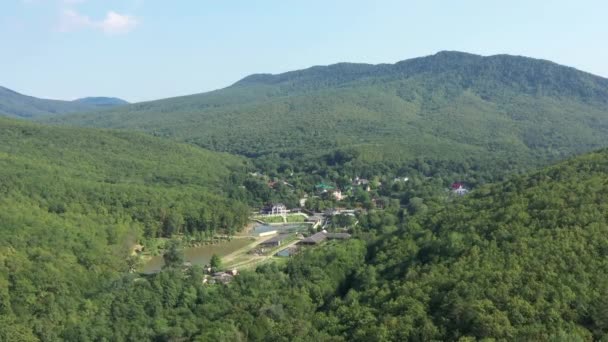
x=17, y=105
x=444, y=106
x=102, y=101
x=74, y=201
x=522, y=260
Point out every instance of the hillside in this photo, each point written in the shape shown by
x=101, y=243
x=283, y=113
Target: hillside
x=522, y=260
x=445, y=106
x=13, y=104
x=74, y=201
x=103, y=102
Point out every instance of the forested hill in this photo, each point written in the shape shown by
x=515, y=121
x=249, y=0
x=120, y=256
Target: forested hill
x=73, y=201
x=445, y=106
x=103, y=102
x=523, y=260
x=14, y=104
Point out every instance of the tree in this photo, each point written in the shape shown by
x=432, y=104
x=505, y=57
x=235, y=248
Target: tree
x=174, y=256
x=215, y=262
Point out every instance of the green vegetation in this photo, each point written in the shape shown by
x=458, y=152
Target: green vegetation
x=13, y=104
x=102, y=101
x=74, y=202
x=215, y=262
x=449, y=106
x=290, y=218
x=524, y=259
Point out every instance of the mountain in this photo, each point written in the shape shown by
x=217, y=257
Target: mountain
x=521, y=260
x=450, y=105
x=13, y=104
x=74, y=201
x=102, y=101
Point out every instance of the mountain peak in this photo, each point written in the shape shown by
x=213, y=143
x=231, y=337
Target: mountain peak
x=101, y=101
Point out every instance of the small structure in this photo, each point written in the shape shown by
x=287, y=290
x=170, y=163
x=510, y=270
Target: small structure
x=314, y=239
x=275, y=209
x=337, y=194
x=459, y=189
x=222, y=277
x=360, y=181
x=275, y=241
x=322, y=187
x=267, y=233
x=278, y=209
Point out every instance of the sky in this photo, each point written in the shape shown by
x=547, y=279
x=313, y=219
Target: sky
x=142, y=50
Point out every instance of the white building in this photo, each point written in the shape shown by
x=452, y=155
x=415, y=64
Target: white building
x=278, y=209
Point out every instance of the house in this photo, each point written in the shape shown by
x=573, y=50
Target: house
x=360, y=181
x=314, y=239
x=338, y=236
x=275, y=209
x=459, y=189
x=337, y=194
x=275, y=241
x=222, y=277
x=323, y=188
x=278, y=209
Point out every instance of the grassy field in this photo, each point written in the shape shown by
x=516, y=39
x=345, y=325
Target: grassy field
x=291, y=218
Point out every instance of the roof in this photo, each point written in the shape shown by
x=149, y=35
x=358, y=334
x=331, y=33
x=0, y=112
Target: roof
x=316, y=238
x=324, y=186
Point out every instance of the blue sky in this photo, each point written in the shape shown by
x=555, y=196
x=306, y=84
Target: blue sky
x=150, y=49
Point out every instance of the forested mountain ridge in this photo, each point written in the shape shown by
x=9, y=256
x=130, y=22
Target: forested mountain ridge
x=520, y=260
x=73, y=203
x=14, y=104
x=102, y=101
x=446, y=106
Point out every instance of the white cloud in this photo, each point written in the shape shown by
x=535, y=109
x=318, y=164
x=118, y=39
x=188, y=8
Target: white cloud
x=118, y=23
x=113, y=23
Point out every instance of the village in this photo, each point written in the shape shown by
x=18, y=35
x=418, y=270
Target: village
x=278, y=232
x=281, y=232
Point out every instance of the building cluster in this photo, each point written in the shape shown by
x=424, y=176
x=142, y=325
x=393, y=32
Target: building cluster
x=219, y=277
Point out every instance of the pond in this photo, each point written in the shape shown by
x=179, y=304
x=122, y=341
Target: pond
x=199, y=255
x=280, y=228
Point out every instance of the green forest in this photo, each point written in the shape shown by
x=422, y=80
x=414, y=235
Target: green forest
x=523, y=256
x=523, y=259
x=74, y=201
x=16, y=105
x=447, y=106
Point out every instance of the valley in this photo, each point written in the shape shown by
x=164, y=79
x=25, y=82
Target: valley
x=449, y=197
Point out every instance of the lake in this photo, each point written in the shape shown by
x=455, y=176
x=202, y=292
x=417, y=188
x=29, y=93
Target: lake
x=199, y=255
